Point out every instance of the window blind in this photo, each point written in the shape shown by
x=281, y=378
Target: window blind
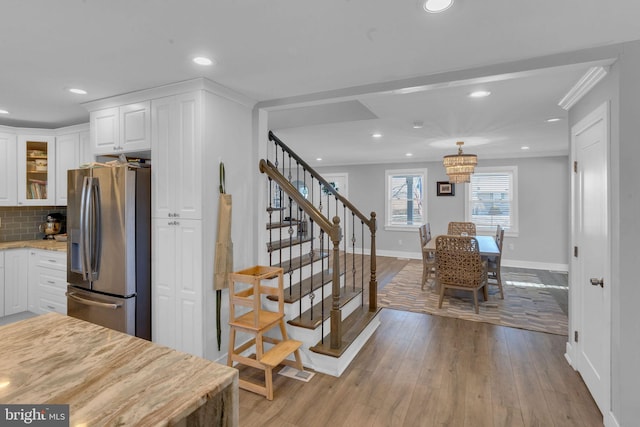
x=492, y=199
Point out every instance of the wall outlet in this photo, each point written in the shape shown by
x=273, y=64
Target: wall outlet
x=511, y=246
x=400, y=242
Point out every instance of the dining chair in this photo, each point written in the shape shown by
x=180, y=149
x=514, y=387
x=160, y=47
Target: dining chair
x=493, y=263
x=457, y=228
x=428, y=256
x=498, y=231
x=459, y=266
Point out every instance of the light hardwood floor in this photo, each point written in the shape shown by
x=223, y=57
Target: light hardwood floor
x=423, y=370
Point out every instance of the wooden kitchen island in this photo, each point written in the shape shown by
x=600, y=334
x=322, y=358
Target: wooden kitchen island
x=109, y=378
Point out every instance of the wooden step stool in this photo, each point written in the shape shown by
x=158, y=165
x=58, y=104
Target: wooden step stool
x=257, y=322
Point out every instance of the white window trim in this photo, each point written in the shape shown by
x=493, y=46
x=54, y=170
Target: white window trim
x=514, y=230
x=387, y=206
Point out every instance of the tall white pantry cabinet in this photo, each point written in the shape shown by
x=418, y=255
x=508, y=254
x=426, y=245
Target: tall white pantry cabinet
x=189, y=137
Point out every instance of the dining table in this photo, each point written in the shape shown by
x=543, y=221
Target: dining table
x=487, y=246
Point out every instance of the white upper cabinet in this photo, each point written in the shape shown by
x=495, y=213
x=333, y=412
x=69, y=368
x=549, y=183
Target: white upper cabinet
x=177, y=156
x=67, y=157
x=36, y=166
x=8, y=172
x=121, y=129
x=105, y=130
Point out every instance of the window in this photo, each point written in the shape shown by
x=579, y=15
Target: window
x=405, y=198
x=492, y=199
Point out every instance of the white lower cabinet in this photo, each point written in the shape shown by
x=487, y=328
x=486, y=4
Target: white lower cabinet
x=177, y=307
x=47, y=281
x=15, y=281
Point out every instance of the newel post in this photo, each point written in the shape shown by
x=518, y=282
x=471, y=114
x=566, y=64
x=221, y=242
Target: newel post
x=373, y=281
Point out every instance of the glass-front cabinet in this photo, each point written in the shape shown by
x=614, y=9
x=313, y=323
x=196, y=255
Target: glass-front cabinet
x=36, y=164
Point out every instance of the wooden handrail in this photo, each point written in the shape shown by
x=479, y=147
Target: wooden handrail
x=368, y=221
x=272, y=172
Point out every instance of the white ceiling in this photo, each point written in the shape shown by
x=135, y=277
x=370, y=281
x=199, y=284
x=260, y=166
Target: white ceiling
x=271, y=50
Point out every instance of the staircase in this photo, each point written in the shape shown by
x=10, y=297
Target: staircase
x=329, y=264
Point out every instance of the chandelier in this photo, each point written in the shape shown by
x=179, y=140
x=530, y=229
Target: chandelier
x=460, y=166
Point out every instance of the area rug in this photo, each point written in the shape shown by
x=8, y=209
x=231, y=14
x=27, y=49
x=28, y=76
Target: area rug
x=528, y=302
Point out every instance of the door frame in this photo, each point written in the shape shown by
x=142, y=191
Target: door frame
x=573, y=351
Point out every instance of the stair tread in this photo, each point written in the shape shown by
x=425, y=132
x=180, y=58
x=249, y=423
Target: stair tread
x=282, y=224
x=306, y=321
x=352, y=327
x=300, y=261
x=285, y=243
x=294, y=292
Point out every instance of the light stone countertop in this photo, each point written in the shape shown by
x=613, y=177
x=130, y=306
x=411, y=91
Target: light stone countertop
x=50, y=245
x=109, y=378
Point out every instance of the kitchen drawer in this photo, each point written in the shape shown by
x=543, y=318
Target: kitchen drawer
x=52, y=259
x=49, y=303
x=51, y=280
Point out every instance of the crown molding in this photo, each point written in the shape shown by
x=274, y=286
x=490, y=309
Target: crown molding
x=583, y=86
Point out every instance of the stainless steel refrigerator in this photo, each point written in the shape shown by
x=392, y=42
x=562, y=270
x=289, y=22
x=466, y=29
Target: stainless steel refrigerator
x=109, y=248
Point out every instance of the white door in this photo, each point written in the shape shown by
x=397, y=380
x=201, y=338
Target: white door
x=590, y=285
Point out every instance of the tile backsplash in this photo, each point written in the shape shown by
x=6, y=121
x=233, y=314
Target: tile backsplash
x=21, y=223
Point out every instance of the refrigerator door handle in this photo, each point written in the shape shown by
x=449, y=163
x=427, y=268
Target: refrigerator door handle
x=96, y=240
x=84, y=228
x=85, y=301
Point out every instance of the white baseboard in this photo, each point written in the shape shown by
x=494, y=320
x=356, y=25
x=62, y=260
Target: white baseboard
x=609, y=420
x=535, y=265
x=568, y=355
x=399, y=254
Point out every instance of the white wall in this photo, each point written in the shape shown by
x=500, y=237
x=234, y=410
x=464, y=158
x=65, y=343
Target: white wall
x=543, y=208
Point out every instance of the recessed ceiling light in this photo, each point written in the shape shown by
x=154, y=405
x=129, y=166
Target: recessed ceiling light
x=78, y=91
x=319, y=159
x=436, y=6
x=418, y=124
x=377, y=135
x=524, y=147
x=409, y=154
x=4, y=112
x=554, y=119
x=479, y=94
x=201, y=60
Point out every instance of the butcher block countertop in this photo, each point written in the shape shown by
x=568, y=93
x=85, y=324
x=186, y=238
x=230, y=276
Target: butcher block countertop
x=50, y=245
x=109, y=378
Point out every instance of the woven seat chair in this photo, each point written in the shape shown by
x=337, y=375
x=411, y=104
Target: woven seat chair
x=493, y=263
x=428, y=256
x=457, y=228
x=459, y=266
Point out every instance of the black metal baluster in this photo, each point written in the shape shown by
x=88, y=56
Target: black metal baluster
x=344, y=239
x=322, y=234
x=270, y=212
x=290, y=247
x=353, y=249
x=311, y=294
x=362, y=259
